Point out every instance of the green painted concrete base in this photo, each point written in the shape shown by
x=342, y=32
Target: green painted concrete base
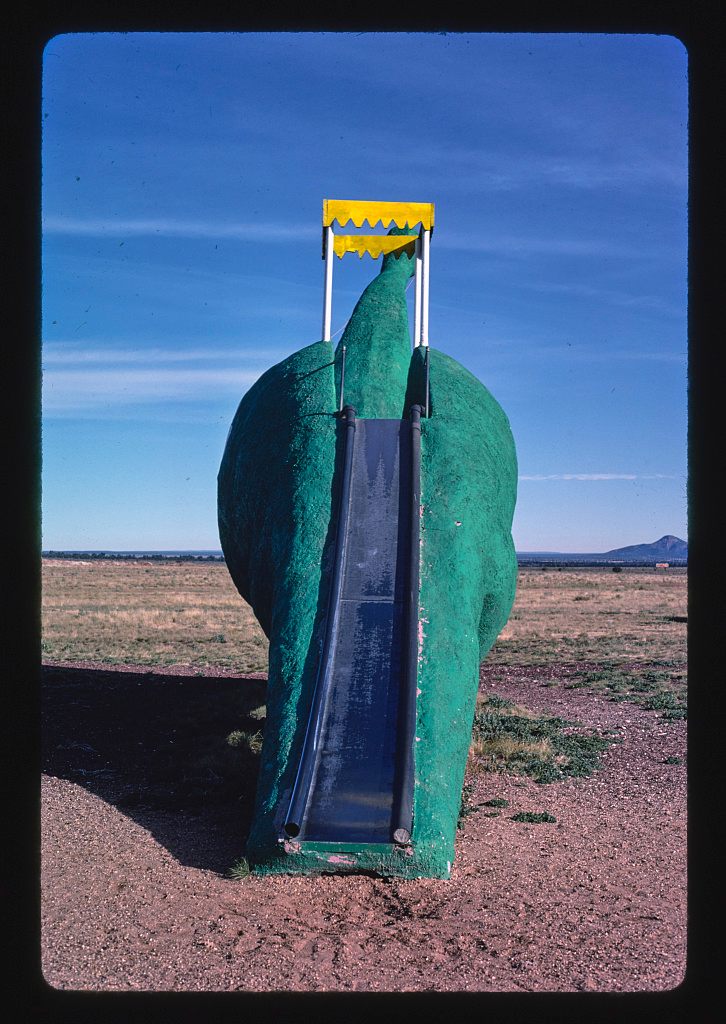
x=339, y=858
x=276, y=498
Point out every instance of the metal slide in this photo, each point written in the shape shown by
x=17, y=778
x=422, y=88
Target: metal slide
x=355, y=778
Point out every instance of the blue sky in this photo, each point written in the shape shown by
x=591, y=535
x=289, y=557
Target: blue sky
x=183, y=179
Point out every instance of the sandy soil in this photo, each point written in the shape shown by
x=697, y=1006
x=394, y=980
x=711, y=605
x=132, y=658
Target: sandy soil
x=135, y=894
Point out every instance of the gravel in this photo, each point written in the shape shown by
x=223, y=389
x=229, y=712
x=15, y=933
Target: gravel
x=137, y=897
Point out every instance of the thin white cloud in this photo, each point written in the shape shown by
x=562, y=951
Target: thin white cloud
x=591, y=353
x=598, y=476
x=508, y=172
x=83, y=389
x=501, y=245
x=170, y=227
x=505, y=346
x=599, y=171
x=64, y=353
x=524, y=246
x=618, y=298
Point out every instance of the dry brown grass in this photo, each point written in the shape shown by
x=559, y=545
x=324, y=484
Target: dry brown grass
x=595, y=615
x=189, y=613
x=148, y=613
x=167, y=613
x=504, y=747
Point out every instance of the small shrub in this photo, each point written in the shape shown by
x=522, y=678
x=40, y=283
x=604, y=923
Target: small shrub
x=617, y=568
x=496, y=801
x=466, y=807
x=495, y=701
x=252, y=742
x=652, y=689
x=543, y=771
x=240, y=869
x=672, y=760
x=533, y=817
x=666, y=701
x=513, y=739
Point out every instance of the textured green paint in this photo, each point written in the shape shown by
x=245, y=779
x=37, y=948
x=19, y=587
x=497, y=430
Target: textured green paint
x=468, y=580
x=276, y=496
x=274, y=503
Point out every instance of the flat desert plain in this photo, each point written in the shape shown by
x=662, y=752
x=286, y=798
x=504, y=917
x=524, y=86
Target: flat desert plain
x=570, y=869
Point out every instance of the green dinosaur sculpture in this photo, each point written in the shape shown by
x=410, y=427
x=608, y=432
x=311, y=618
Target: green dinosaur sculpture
x=277, y=496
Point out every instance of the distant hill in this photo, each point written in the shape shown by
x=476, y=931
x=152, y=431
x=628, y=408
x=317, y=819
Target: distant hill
x=668, y=548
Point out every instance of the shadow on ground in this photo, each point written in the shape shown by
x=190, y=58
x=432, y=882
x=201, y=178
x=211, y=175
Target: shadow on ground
x=158, y=747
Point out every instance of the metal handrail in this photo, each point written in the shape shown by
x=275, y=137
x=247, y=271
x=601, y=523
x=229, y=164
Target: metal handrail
x=301, y=789
x=427, y=381
x=403, y=812
x=342, y=381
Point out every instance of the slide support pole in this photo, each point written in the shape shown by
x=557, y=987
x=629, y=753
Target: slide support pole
x=405, y=775
x=295, y=819
x=417, y=297
x=328, y=288
x=425, y=288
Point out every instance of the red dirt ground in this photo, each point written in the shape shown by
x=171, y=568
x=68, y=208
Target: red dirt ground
x=134, y=858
